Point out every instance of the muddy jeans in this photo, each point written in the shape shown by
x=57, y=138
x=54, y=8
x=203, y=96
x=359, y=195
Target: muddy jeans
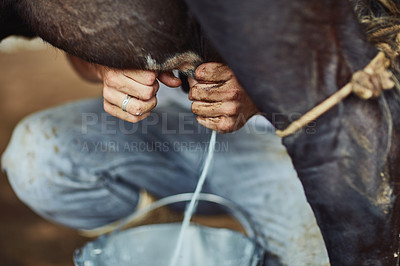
x=78, y=166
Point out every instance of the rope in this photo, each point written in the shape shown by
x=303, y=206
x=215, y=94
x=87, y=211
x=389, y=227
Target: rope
x=366, y=84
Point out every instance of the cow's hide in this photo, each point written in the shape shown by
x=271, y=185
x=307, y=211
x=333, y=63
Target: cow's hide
x=295, y=55
x=151, y=34
x=289, y=55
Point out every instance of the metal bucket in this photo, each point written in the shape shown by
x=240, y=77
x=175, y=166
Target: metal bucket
x=153, y=245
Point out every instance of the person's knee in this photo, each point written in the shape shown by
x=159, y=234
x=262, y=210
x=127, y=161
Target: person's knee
x=48, y=173
x=26, y=159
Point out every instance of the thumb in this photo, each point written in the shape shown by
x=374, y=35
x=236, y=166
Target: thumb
x=169, y=79
x=213, y=73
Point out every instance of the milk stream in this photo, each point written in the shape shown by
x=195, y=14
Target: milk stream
x=192, y=205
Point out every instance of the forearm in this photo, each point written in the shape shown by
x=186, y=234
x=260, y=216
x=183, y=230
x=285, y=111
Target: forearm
x=85, y=69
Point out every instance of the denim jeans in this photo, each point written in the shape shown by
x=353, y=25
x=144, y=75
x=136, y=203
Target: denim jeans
x=78, y=166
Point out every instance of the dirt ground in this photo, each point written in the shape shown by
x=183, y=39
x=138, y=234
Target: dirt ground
x=31, y=81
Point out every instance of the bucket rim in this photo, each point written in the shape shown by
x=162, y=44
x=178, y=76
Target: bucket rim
x=235, y=210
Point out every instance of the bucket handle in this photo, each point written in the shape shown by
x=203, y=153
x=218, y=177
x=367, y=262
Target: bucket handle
x=235, y=210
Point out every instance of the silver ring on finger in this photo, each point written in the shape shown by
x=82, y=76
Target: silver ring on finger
x=125, y=103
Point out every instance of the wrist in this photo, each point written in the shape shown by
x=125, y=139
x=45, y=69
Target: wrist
x=84, y=69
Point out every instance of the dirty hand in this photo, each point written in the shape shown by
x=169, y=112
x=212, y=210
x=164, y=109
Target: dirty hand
x=219, y=101
x=140, y=85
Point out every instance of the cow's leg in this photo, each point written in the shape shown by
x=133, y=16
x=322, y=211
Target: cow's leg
x=347, y=178
x=290, y=55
